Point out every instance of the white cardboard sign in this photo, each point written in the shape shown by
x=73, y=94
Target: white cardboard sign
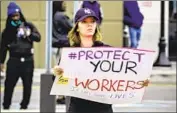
x=106, y=75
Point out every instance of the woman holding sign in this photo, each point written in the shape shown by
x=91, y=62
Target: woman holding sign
x=85, y=33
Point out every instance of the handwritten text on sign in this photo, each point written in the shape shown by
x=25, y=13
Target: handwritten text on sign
x=106, y=75
x=105, y=61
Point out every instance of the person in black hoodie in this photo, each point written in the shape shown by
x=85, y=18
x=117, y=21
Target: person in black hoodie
x=17, y=38
x=61, y=26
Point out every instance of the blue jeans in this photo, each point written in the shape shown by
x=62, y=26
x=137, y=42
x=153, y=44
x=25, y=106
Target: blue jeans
x=135, y=34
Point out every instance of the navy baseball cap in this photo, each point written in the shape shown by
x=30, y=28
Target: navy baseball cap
x=83, y=13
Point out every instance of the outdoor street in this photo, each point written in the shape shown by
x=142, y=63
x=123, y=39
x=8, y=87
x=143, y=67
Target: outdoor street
x=43, y=28
x=160, y=96
x=157, y=98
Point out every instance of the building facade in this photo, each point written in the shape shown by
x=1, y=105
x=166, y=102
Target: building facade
x=34, y=11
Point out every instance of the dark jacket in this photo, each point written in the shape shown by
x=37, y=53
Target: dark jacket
x=61, y=26
x=132, y=15
x=78, y=105
x=95, y=6
x=18, y=47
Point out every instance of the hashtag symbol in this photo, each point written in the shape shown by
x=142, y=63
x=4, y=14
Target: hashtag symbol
x=72, y=55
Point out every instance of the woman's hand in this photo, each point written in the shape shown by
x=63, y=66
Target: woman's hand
x=58, y=71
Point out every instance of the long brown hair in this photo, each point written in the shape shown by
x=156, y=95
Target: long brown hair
x=74, y=37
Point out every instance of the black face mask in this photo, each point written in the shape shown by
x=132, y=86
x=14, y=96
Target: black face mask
x=16, y=23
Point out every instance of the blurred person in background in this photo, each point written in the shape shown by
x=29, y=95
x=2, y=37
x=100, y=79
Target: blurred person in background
x=172, y=10
x=133, y=18
x=1, y=72
x=62, y=24
x=17, y=38
x=96, y=7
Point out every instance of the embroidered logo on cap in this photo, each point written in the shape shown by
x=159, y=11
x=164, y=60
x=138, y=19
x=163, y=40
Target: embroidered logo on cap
x=87, y=11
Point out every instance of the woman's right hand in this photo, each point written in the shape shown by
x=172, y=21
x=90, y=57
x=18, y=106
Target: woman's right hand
x=58, y=71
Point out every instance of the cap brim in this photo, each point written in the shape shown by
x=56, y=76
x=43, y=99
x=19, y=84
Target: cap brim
x=84, y=17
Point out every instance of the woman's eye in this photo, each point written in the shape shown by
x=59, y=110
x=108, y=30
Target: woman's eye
x=84, y=22
x=89, y=22
x=93, y=21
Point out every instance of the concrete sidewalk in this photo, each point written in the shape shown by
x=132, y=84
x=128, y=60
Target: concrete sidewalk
x=164, y=74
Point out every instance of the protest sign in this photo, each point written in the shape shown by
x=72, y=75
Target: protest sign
x=105, y=75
